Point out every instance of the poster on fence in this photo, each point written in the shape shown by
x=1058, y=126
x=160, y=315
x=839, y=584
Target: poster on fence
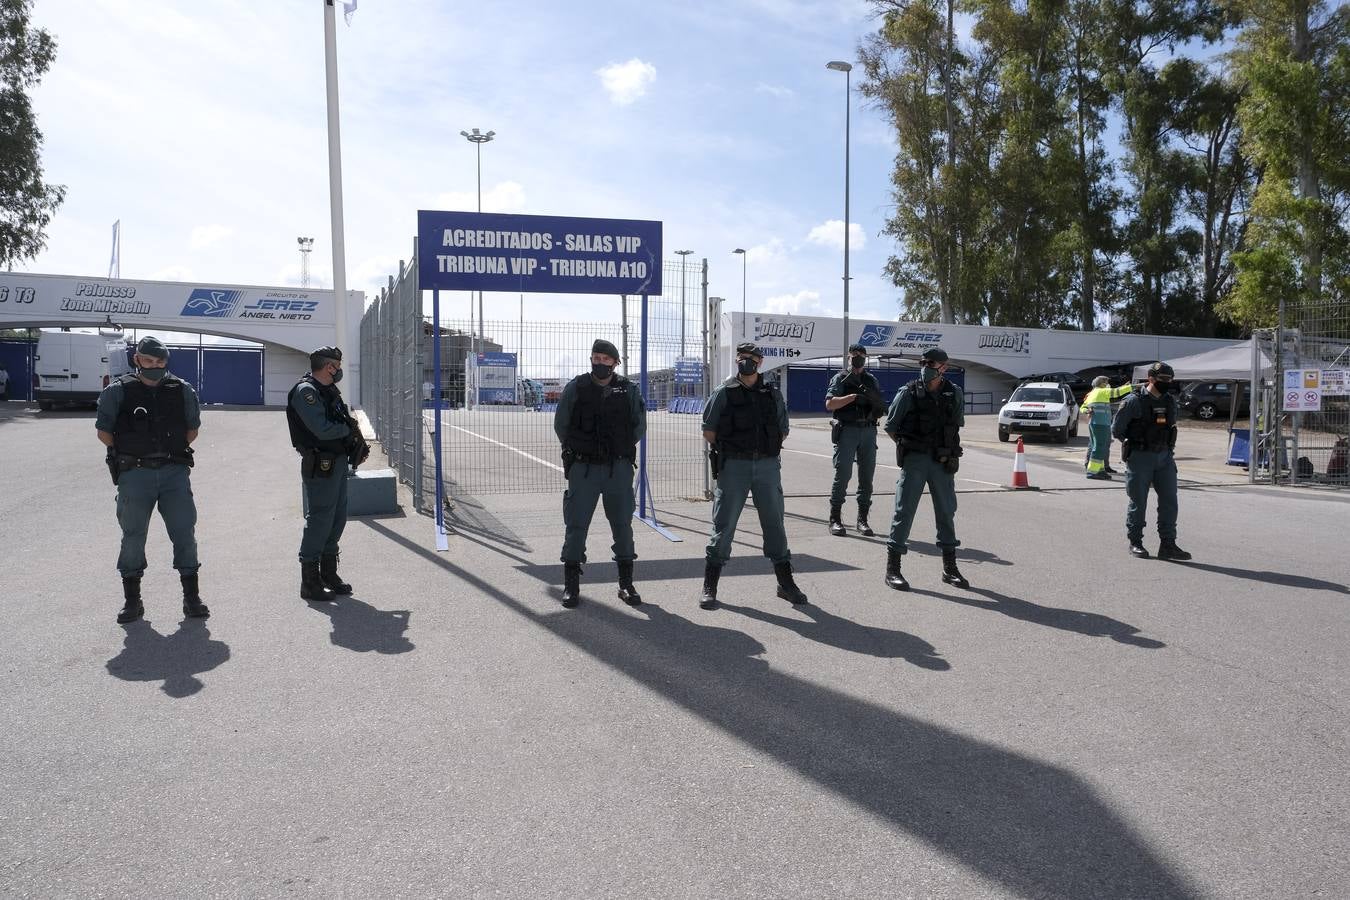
x=1335, y=382
x=1302, y=390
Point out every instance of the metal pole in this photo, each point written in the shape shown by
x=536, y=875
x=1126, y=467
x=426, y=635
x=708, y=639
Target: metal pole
x=847, y=105
x=441, y=542
x=478, y=152
x=623, y=303
x=642, y=447
x=335, y=175
x=743, y=265
x=707, y=483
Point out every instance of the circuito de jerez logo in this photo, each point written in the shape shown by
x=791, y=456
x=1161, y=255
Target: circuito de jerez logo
x=212, y=302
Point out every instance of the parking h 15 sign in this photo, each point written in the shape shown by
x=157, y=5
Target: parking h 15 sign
x=460, y=251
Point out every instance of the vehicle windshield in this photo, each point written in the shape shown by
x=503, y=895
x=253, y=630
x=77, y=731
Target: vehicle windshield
x=1037, y=395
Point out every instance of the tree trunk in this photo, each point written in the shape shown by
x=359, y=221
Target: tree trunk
x=1308, y=179
x=1088, y=287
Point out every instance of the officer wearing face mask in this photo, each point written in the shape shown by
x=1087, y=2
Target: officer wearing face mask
x=854, y=396
x=599, y=421
x=745, y=422
x=1146, y=424
x=330, y=444
x=148, y=421
x=924, y=420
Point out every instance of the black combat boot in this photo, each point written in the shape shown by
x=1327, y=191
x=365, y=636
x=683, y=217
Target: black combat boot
x=193, y=607
x=1138, y=549
x=133, y=609
x=863, y=528
x=836, y=525
x=711, y=574
x=329, y=576
x=950, y=573
x=627, y=593
x=1170, y=550
x=787, y=588
x=311, y=584
x=571, y=584
x=893, y=577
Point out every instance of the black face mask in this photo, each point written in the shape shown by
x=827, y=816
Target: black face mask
x=155, y=375
x=337, y=376
x=858, y=361
x=601, y=371
x=746, y=366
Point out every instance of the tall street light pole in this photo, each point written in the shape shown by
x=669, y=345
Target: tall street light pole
x=683, y=262
x=742, y=255
x=478, y=140
x=846, y=68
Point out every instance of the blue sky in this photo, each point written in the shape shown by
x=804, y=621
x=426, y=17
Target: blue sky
x=201, y=125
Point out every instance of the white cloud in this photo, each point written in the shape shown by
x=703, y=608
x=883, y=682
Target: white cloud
x=831, y=234
x=772, y=251
x=800, y=303
x=205, y=235
x=626, y=82
x=775, y=90
x=503, y=197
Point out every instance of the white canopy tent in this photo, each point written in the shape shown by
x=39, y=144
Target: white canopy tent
x=1231, y=363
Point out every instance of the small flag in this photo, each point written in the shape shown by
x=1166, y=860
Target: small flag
x=348, y=7
x=115, y=261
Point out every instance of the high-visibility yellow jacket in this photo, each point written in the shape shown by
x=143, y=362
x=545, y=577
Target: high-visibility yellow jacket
x=1098, y=402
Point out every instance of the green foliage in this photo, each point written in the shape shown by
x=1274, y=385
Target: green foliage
x=27, y=203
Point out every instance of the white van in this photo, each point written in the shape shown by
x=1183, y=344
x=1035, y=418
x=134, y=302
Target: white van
x=75, y=367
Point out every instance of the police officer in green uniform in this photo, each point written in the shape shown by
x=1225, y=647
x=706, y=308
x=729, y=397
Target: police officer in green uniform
x=854, y=396
x=1146, y=424
x=148, y=421
x=599, y=420
x=924, y=420
x=745, y=422
x=330, y=445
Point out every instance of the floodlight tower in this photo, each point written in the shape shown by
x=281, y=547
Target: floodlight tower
x=306, y=245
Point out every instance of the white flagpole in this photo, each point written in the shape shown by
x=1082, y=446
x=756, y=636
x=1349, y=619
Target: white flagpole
x=335, y=174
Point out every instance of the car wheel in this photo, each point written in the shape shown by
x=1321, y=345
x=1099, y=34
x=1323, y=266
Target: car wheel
x=1073, y=432
x=1003, y=435
x=1205, y=411
x=45, y=405
x=1060, y=435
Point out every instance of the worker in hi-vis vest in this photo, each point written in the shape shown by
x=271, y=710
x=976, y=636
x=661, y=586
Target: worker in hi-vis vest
x=1097, y=404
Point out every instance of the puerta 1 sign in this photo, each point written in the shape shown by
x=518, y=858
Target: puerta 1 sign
x=461, y=251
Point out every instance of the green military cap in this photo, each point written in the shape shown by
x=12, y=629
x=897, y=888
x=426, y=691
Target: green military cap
x=603, y=346
x=1160, y=371
x=934, y=354
x=152, y=346
x=322, y=356
x=751, y=348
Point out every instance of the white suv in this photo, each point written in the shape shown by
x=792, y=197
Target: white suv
x=1040, y=407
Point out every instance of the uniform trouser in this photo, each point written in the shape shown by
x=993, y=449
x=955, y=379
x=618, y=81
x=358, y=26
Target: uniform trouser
x=1100, y=445
x=326, y=516
x=1158, y=470
x=738, y=477
x=920, y=469
x=587, y=483
x=855, y=442
x=138, y=492
x=1105, y=447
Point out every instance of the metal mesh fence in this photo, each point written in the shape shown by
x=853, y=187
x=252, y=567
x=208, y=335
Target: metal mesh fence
x=392, y=337
x=497, y=409
x=1312, y=377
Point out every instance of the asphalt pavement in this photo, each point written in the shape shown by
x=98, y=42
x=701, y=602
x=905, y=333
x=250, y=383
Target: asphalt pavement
x=1077, y=724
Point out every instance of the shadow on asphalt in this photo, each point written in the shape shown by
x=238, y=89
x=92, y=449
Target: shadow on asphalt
x=689, y=567
x=1090, y=624
x=470, y=517
x=835, y=631
x=361, y=627
x=1283, y=579
x=1035, y=828
x=175, y=659
x=962, y=555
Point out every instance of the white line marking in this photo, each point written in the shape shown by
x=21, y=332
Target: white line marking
x=542, y=462
x=885, y=466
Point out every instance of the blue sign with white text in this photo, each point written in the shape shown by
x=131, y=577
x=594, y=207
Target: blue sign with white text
x=463, y=251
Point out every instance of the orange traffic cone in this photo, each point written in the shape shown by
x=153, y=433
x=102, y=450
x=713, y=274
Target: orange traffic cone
x=1019, y=473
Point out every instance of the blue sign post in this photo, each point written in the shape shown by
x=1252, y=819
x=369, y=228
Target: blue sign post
x=462, y=251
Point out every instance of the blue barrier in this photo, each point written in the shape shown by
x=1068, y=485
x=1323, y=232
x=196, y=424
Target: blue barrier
x=1239, y=452
x=549, y=407
x=687, y=405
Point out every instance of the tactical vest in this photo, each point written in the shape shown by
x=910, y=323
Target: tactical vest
x=334, y=410
x=601, y=427
x=151, y=423
x=858, y=410
x=930, y=421
x=1154, y=429
x=749, y=421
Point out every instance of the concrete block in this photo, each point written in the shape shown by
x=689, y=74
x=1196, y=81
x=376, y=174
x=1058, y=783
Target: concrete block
x=372, y=492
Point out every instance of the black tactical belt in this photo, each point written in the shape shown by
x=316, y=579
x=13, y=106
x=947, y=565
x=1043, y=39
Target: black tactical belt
x=754, y=454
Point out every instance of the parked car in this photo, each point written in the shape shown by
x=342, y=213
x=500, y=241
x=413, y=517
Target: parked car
x=73, y=367
x=1075, y=382
x=1207, y=399
x=1044, y=407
